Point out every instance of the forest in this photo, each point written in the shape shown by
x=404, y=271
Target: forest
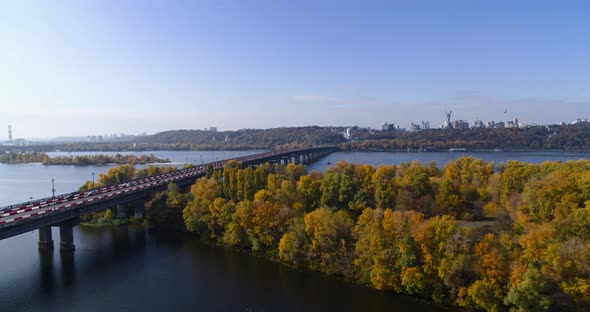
x=552, y=137
x=507, y=237
x=248, y=138
x=555, y=137
x=39, y=157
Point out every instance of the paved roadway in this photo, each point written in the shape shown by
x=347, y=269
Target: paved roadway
x=21, y=212
x=70, y=201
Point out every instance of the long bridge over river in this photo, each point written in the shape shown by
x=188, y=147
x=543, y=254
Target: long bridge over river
x=64, y=211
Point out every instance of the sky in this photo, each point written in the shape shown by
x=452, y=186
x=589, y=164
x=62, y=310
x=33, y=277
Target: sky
x=100, y=67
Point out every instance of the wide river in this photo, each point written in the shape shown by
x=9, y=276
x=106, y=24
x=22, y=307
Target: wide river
x=130, y=269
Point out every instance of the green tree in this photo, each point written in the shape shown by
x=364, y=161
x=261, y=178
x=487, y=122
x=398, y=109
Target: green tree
x=531, y=294
x=330, y=189
x=385, y=190
x=209, y=171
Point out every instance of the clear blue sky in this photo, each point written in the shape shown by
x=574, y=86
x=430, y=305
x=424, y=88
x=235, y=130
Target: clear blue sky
x=95, y=67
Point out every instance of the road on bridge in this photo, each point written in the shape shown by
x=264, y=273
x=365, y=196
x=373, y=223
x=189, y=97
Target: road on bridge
x=21, y=215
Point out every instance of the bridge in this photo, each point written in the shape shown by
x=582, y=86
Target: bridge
x=64, y=211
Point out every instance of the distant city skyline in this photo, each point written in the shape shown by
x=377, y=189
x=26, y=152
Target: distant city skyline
x=77, y=68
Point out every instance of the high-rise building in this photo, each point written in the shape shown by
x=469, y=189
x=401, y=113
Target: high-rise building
x=460, y=124
x=478, y=124
x=388, y=127
x=10, y=134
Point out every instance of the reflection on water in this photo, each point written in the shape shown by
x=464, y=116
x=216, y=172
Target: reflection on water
x=46, y=273
x=129, y=269
x=67, y=267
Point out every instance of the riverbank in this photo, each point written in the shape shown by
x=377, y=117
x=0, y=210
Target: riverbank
x=84, y=160
x=411, y=228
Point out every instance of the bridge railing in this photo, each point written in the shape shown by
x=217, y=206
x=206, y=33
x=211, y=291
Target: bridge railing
x=219, y=163
x=35, y=201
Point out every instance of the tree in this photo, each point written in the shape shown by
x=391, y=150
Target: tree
x=294, y=243
x=348, y=188
x=486, y=295
x=209, y=171
x=165, y=210
x=269, y=221
x=330, y=189
x=330, y=236
x=239, y=232
x=415, y=191
x=310, y=193
x=117, y=175
x=369, y=243
x=531, y=294
x=493, y=260
x=385, y=190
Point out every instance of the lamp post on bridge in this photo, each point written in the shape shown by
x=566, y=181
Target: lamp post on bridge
x=53, y=187
x=92, y=179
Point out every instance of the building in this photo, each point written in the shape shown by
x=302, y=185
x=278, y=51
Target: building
x=388, y=127
x=479, y=124
x=414, y=127
x=577, y=121
x=460, y=124
x=10, y=134
x=348, y=133
x=21, y=142
x=512, y=123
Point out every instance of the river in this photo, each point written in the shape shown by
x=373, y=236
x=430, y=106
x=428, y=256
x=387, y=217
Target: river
x=130, y=269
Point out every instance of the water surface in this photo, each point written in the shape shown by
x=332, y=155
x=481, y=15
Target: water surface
x=129, y=269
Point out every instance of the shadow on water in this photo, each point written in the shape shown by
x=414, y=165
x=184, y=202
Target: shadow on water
x=47, y=274
x=121, y=246
x=258, y=284
x=140, y=237
x=68, y=269
x=179, y=273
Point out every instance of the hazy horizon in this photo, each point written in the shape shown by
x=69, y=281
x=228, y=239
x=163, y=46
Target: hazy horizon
x=77, y=68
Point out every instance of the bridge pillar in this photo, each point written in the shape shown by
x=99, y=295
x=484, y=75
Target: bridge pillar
x=296, y=159
x=66, y=236
x=45, y=239
x=139, y=210
x=121, y=211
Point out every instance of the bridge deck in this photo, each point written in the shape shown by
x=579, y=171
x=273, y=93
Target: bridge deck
x=21, y=218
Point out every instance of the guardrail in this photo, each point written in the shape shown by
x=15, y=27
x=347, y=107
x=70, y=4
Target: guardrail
x=217, y=165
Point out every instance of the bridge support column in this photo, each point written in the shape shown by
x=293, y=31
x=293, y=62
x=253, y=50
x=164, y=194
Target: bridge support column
x=45, y=239
x=66, y=236
x=139, y=211
x=121, y=211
